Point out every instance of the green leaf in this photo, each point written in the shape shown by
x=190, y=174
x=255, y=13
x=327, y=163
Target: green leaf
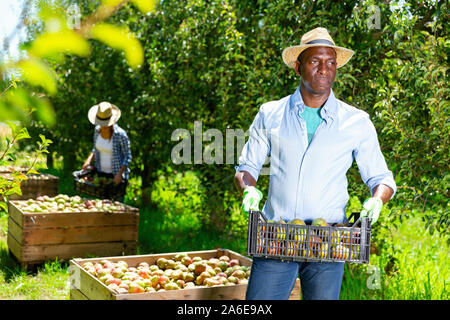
x=111, y=3
x=13, y=126
x=10, y=111
x=12, y=156
x=65, y=41
x=23, y=134
x=145, y=6
x=14, y=190
x=32, y=170
x=44, y=140
x=44, y=111
x=38, y=73
x=122, y=39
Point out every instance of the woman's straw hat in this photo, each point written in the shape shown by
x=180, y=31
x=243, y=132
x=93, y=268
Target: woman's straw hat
x=104, y=114
x=318, y=37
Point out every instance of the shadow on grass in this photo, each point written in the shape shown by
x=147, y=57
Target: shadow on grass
x=8, y=264
x=11, y=268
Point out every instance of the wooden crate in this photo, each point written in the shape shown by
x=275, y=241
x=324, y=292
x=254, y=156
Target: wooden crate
x=34, y=238
x=33, y=188
x=84, y=286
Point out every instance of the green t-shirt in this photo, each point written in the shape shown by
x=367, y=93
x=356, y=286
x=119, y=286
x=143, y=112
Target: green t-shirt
x=313, y=119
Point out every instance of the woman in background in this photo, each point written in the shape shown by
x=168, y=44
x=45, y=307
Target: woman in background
x=111, y=150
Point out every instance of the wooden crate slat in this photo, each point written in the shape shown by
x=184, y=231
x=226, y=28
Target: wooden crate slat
x=39, y=253
x=68, y=235
x=76, y=294
x=14, y=247
x=89, y=286
x=15, y=231
x=15, y=213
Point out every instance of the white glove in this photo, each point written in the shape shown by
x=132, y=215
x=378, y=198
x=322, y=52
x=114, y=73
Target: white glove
x=372, y=208
x=252, y=196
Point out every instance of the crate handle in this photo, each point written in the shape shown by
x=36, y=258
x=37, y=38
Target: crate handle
x=359, y=221
x=356, y=222
x=258, y=212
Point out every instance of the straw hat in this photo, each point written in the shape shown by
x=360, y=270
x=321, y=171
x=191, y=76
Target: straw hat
x=104, y=114
x=318, y=37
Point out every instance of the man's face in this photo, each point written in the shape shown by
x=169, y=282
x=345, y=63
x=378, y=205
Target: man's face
x=317, y=69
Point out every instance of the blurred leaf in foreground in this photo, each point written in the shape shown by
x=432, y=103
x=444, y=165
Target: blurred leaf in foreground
x=122, y=39
x=37, y=73
x=66, y=41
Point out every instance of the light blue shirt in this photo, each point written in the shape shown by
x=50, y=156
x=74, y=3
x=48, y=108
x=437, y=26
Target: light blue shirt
x=308, y=181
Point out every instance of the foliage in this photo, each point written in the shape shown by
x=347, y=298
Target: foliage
x=10, y=185
x=180, y=197
x=54, y=38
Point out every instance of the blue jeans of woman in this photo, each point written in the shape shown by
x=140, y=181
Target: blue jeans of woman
x=272, y=279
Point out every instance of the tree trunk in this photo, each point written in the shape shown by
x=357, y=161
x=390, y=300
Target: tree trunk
x=50, y=163
x=148, y=178
x=69, y=161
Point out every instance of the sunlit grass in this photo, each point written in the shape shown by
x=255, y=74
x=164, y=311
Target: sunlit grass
x=415, y=266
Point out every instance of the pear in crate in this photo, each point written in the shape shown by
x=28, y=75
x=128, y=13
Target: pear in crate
x=323, y=251
x=298, y=234
x=281, y=230
x=319, y=222
x=293, y=249
x=340, y=252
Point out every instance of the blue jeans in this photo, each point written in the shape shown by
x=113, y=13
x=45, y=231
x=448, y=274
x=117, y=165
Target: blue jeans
x=272, y=279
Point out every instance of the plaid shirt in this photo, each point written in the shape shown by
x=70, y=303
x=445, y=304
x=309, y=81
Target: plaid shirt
x=121, y=155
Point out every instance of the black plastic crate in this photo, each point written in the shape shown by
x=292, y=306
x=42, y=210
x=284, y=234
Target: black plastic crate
x=103, y=191
x=293, y=242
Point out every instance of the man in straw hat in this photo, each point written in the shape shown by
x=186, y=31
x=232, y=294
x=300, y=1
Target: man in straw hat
x=111, y=149
x=312, y=139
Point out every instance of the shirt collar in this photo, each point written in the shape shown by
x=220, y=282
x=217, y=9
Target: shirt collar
x=329, y=108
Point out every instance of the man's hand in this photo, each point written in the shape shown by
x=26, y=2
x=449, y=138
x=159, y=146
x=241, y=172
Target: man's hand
x=252, y=196
x=85, y=166
x=372, y=208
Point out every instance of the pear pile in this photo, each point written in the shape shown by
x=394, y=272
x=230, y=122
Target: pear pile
x=64, y=203
x=179, y=272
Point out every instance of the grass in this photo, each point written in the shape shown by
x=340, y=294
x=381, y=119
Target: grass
x=414, y=266
x=155, y=237
x=48, y=282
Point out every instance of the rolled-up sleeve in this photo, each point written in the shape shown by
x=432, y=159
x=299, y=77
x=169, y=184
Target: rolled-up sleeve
x=257, y=148
x=371, y=163
x=125, y=147
x=96, y=133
